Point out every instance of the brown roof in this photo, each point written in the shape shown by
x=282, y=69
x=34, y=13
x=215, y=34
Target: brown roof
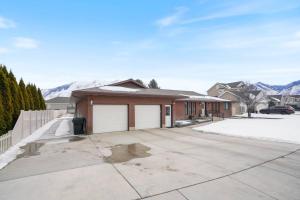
x=127, y=81
x=145, y=92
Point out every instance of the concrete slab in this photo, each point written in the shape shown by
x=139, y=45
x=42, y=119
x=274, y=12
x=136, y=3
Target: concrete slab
x=223, y=189
x=168, y=171
x=51, y=158
x=94, y=182
x=285, y=165
x=180, y=157
x=168, y=196
x=276, y=184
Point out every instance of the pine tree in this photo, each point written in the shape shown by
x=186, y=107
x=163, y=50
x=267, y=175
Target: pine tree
x=14, y=88
x=6, y=98
x=42, y=101
x=30, y=97
x=153, y=84
x=139, y=81
x=24, y=94
x=36, y=99
x=21, y=99
x=2, y=121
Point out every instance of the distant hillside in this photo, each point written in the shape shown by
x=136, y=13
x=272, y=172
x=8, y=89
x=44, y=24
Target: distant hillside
x=66, y=89
x=292, y=88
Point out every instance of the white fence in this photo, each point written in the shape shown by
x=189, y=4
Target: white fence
x=27, y=123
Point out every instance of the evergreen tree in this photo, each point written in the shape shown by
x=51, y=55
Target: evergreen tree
x=139, y=81
x=2, y=120
x=21, y=99
x=6, y=99
x=30, y=97
x=14, y=88
x=42, y=101
x=153, y=84
x=24, y=94
x=35, y=97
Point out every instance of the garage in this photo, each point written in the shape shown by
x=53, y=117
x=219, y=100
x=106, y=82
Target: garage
x=109, y=118
x=147, y=116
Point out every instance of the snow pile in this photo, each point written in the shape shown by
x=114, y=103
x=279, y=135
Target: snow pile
x=13, y=151
x=270, y=127
x=183, y=122
x=64, y=128
x=118, y=88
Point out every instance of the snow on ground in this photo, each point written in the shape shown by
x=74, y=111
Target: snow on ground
x=270, y=127
x=13, y=151
x=64, y=128
x=183, y=122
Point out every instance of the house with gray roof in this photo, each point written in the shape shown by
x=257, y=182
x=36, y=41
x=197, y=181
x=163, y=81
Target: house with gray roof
x=59, y=103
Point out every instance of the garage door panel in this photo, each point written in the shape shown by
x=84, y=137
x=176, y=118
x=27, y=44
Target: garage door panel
x=109, y=118
x=147, y=116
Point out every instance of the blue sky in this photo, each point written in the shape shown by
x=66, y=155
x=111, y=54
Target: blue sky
x=182, y=44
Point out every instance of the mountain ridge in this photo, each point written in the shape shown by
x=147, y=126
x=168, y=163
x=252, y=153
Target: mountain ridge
x=292, y=88
x=65, y=90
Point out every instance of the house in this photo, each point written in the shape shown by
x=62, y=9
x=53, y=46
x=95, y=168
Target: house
x=129, y=105
x=233, y=92
x=292, y=100
x=60, y=103
x=219, y=88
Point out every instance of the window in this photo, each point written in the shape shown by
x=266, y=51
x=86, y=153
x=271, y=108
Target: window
x=168, y=111
x=226, y=106
x=190, y=108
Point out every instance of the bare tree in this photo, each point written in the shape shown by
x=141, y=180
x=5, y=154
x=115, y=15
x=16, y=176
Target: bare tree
x=248, y=94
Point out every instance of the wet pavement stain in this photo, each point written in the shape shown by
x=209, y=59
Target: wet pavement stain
x=62, y=139
x=30, y=149
x=123, y=153
x=75, y=138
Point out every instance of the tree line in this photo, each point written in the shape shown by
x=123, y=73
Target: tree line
x=14, y=97
x=152, y=84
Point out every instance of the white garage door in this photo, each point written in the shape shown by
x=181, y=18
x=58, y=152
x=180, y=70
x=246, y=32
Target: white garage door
x=109, y=118
x=147, y=116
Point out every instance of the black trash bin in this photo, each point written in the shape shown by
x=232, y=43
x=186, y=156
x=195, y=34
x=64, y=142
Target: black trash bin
x=79, y=125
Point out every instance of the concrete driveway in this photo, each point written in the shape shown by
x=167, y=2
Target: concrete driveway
x=169, y=164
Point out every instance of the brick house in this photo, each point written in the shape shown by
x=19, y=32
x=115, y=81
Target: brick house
x=129, y=105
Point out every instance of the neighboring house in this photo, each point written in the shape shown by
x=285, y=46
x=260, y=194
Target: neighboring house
x=219, y=88
x=293, y=100
x=232, y=92
x=238, y=105
x=128, y=105
x=60, y=103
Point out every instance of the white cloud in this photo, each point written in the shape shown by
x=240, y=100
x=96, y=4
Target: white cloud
x=245, y=8
x=6, y=23
x=172, y=19
x=3, y=50
x=26, y=43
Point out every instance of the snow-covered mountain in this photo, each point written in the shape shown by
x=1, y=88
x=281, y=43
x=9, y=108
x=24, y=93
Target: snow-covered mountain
x=292, y=88
x=66, y=90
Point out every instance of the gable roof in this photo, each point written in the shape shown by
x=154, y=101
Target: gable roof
x=59, y=100
x=120, y=83
x=234, y=84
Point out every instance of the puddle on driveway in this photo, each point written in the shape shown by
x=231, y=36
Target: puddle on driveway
x=123, y=153
x=30, y=149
